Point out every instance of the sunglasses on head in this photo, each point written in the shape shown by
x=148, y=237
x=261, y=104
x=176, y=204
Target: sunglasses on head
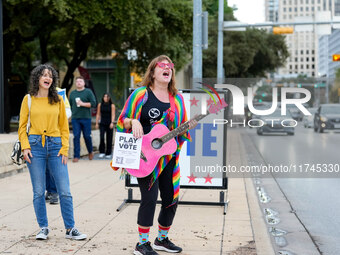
x=164, y=65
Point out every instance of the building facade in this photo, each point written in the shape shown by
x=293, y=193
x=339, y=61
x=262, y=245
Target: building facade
x=303, y=46
x=328, y=46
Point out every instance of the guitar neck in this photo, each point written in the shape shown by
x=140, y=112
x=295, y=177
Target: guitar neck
x=180, y=129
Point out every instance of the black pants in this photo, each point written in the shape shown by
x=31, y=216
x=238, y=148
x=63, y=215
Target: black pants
x=105, y=128
x=147, y=206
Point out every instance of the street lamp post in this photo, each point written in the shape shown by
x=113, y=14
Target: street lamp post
x=2, y=112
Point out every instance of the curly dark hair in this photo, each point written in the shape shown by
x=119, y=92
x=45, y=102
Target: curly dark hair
x=36, y=74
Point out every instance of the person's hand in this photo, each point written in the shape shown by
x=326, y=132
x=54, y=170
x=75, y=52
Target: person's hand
x=63, y=158
x=97, y=126
x=28, y=155
x=111, y=125
x=80, y=103
x=192, y=123
x=137, y=129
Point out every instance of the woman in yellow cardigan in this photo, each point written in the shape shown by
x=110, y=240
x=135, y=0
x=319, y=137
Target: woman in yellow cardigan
x=47, y=144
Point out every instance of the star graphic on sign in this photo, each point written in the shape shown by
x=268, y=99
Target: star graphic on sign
x=192, y=178
x=193, y=101
x=210, y=101
x=208, y=179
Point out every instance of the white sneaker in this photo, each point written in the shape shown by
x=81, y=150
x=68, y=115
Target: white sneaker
x=108, y=156
x=75, y=234
x=101, y=155
x=42, y=235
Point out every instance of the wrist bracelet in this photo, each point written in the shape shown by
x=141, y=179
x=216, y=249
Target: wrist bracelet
x=131, y=122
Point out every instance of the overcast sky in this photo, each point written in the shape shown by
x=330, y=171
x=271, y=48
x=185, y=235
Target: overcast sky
x=249, y=11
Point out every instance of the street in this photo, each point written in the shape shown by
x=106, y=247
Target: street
x=315, y=200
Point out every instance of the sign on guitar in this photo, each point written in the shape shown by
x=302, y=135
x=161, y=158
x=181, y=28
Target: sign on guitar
x=127, y=151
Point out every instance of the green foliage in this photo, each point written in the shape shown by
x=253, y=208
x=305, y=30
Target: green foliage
x=63, y=32
x=251, y=53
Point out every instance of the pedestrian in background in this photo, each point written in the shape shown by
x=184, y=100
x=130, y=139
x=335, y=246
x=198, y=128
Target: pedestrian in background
x=146, y=107
x=47, y=144
x=51, y=189
x=81, y=101
x=104, y=121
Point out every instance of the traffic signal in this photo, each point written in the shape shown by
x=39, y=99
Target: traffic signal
x=283, y=30
x=336, y=57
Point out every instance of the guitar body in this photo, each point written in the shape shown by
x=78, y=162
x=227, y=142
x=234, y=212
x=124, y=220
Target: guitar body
x=151, y=153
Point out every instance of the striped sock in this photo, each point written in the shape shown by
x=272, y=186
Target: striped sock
x=163, y=232
x=143, y=235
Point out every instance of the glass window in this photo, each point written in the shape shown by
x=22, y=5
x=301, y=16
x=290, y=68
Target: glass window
x=296, y=59
x=307, y=66
x=313, y=66
x=284, y=9
x=306, y=1
x=301, y=66
x=313, y=59
x=319, y=8
x=301, y=9
x=312, y=8
x=307, y=59
x=301, y=52
x=290, y=9
x=295, y=9
x=296, y=67
x=307, y=9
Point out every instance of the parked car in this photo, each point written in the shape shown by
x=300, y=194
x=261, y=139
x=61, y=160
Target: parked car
x=308, y=120
x=327, y=117
x=273, y=123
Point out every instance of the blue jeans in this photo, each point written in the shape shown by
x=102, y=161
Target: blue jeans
x=44, y=157
x=50, y=183
x=79, y=125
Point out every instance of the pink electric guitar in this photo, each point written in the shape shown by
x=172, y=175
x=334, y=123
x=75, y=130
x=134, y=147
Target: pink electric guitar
x=160, y=141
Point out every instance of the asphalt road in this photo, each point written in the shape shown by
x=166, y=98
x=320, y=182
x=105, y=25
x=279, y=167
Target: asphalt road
x=316, y=200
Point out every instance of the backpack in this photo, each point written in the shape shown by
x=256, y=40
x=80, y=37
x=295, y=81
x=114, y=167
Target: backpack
x=17, y=156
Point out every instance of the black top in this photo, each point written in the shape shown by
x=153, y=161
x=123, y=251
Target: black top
x=152, y=111
x=105, y=113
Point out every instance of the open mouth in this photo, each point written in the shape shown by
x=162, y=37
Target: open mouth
x=166, y=74
x=46, y=83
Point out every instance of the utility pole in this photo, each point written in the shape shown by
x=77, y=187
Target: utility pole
x=2, y=97
x=220, y=75
x=197, y=44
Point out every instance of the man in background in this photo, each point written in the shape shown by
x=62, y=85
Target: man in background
x=81, y=101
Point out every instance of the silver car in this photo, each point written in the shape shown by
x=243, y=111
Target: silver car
x=276, y=123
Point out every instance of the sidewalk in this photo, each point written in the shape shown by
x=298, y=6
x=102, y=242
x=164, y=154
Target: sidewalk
x=98, y=192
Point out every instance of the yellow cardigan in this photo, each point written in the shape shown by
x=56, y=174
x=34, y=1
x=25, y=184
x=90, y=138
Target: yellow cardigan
x=46, y=120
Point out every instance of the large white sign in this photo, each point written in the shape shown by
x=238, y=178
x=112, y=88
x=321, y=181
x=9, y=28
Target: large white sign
x=126, y=151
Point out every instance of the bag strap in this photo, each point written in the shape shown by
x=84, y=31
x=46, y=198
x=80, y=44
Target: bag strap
x=172, y=110
x=29, y=102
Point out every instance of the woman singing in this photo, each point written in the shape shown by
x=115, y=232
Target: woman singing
x=146, y=107
x=46, y=145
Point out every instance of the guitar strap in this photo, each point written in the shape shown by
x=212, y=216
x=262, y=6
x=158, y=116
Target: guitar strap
x=172, y=110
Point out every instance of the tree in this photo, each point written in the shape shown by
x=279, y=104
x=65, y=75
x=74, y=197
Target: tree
x=251, y=53
x=333, y=94
x=64, y=32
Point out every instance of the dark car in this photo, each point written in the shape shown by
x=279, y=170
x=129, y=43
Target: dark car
x=327, y=117
x=277, y=123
